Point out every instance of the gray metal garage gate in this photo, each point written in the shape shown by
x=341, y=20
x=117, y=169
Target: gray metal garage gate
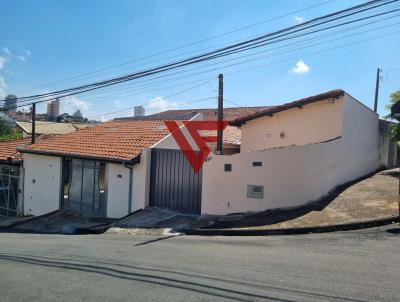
x=174, y=184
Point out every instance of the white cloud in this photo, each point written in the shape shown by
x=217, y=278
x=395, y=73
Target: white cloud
x=161, y=104
x=103, y=119
x=2, y=62
x=75, y=103
x=7, y=51
x=299, y=19
x=28, y=53
x=21, y=58
x=3, y=87
x=301, y=67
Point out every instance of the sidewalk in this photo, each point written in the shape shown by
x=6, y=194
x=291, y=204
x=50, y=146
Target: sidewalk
x=369, y=202
x=57, y=222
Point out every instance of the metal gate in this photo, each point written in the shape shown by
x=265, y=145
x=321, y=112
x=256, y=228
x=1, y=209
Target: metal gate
x=174, y=184
x=9, y=176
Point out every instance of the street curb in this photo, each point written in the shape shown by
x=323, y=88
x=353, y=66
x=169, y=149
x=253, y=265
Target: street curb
x=293, y=231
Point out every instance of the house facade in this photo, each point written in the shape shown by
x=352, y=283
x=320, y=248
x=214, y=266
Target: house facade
x=293, y=154
x=274, y=157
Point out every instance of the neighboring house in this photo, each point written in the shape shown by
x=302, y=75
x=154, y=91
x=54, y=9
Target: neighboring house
x=283, y=156
x=49, y=128
x=11, y=177
x=388, y=148
x=209, y=114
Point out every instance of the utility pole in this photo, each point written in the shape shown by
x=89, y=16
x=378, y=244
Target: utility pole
x=378, y=74
x=33, y=113
x=220, y=112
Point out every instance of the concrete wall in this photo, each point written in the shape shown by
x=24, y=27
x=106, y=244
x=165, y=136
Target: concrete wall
x=42, y=184
x=359, y=152
x=312, y=123
x=294, y=175
x=117, y=180
x=141, y=181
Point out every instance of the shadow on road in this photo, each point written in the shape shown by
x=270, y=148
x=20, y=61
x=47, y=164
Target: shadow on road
x=392, y=173
x=395, y=231
x=157, y=277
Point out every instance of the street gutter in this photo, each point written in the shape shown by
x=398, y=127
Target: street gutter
x=293, y=231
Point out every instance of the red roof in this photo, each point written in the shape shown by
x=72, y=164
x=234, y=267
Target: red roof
x=299, y=103
x=8, y=149
x=112, y=141
x=210, y=114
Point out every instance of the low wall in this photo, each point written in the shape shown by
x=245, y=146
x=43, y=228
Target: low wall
x=290, y=177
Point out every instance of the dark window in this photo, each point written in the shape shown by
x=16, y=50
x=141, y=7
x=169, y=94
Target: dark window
x=228, y=167
x=257, y=164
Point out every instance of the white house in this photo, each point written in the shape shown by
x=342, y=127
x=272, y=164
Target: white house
x=289, y=155
x=106, y=169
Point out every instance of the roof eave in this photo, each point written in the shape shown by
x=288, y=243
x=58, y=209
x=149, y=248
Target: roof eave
x=133, y=161
x=296, y=104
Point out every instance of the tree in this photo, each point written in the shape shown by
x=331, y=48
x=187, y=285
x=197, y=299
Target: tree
x=394, y=98
x=5, y=127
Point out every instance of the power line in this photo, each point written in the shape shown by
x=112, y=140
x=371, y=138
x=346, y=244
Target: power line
x=221, y=52
x=290, y=59
x=152, y=84
x=292, y=37
x=186, y=45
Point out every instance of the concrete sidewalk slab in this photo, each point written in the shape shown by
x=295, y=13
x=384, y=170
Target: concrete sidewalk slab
x=62, y=222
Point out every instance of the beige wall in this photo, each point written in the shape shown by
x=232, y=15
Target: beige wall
x=294, y=175
x=141, y=181
x=317, y=122
x=42, y=183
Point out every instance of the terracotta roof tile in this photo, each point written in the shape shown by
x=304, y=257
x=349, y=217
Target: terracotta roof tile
x=231, y=135
x=8, y=149
x=211, y=114
x=114, y=140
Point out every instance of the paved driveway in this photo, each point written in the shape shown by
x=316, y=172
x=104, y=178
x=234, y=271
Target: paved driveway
x=351, y=266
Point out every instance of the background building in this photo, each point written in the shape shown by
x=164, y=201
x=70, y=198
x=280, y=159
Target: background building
x=138, y=111
x=53, y=110
x=77, y=114
x=10, y=103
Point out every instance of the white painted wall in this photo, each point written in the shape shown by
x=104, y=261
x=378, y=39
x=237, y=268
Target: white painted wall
x=141, y=181
x=41, y=184
x=118, y=187
x=316, y=122
x=117, y=180
x=294, y=175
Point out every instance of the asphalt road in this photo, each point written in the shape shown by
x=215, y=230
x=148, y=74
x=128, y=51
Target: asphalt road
x=349, y=266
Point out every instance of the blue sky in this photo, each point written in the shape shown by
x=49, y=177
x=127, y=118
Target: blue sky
x=46, y=41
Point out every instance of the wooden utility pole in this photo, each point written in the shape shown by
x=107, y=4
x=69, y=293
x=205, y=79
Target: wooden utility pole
x=33, y=132
x=220, y=112
x=378, y=74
